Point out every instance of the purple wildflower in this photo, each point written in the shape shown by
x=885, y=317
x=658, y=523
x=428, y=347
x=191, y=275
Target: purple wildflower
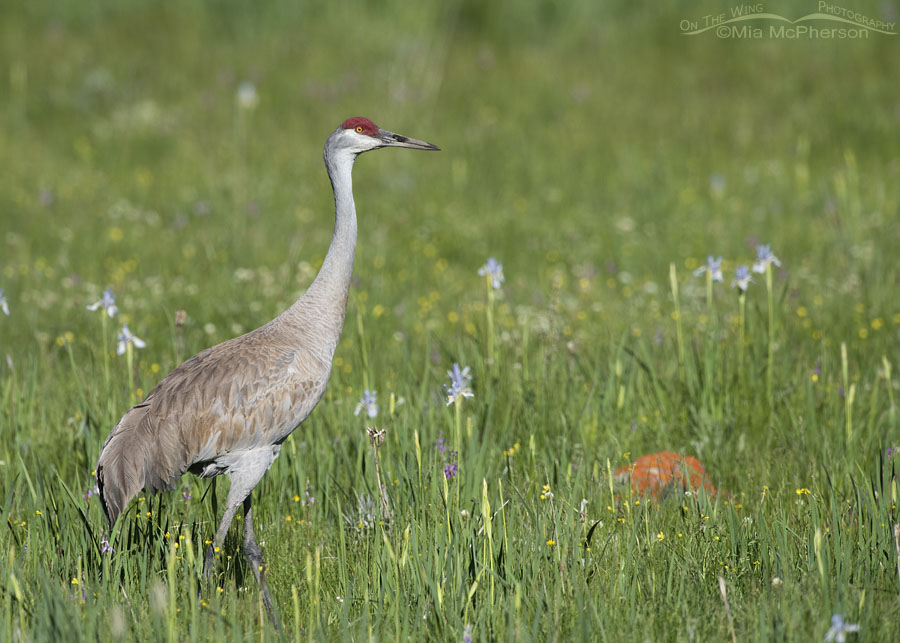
x=459, y=384
x=107, y=303
x=126, y=337
x=309, y=499
x=105, y=547
x=839, y=629
x=368, y=404
x=713, y=266
x=764, y=257
x=493, y=269
x=742, y=278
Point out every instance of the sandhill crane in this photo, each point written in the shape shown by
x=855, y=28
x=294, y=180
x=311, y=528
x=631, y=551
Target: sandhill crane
x=227, y=409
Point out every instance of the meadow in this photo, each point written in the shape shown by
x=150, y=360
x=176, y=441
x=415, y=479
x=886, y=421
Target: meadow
x=171, y=153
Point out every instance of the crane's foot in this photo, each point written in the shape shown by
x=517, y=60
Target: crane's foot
x=208, y=561
x=254, y=557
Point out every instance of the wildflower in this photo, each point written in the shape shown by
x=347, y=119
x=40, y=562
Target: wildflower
x=551, y=542
x=546, y=494
x=309, y=499
x=107, y=303
x=247, y=98
x=126, y=337
x=467, y=634
x=4, y=305
x=459, y=384
x=439, y=444
x=839, y=629
x=368, y=404
x=91, y=492
x=764, y=257
x=714, y=266
x=777, y=582
x=105, y=547
x=450, y=470
x=742, y=279
x=803, y=491
x=494, y=270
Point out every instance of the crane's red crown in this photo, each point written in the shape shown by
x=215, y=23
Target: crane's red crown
x=361, y=126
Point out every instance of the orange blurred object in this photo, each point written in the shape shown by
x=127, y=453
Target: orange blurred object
x=658, y=474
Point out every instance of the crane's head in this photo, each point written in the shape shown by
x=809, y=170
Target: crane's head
x=358, y=135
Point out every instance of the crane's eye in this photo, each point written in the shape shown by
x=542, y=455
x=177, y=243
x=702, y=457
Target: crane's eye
x=359, y=129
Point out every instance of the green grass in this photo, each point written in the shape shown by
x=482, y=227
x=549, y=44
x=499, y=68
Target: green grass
x=588, y=149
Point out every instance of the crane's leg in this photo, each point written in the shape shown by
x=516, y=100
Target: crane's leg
x=254, y=557
x=227, y=517
x=244, y=473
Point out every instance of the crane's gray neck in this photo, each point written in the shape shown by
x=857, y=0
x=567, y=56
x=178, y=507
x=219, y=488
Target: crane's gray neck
x=321, y=308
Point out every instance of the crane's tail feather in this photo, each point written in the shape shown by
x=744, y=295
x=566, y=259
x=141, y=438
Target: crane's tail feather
x=131, y=460
x=119, y=474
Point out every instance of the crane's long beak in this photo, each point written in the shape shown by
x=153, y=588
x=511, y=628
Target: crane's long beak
x=389, y=139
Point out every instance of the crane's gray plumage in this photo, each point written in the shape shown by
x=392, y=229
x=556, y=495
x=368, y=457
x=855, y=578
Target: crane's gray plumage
x=227, y=409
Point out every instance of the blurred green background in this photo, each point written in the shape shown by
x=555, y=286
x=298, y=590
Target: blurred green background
x=587, y=130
